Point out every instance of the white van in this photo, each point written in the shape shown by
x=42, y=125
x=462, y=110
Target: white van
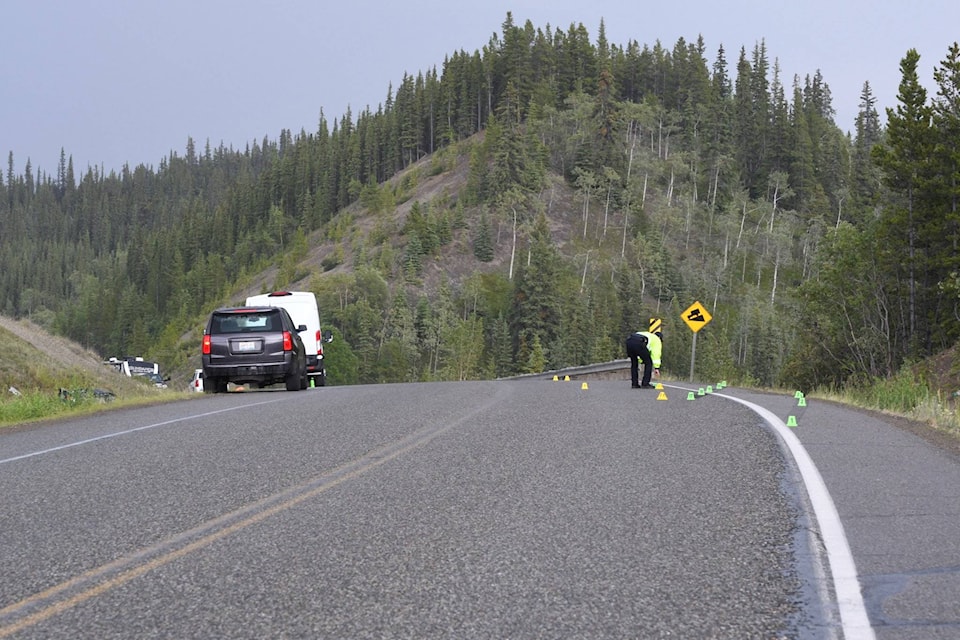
x=302, y=307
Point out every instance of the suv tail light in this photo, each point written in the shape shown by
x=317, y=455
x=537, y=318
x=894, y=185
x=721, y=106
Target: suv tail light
x=287, y=341
x=206, y=345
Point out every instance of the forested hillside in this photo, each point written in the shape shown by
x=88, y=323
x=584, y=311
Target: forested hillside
x=577, y=188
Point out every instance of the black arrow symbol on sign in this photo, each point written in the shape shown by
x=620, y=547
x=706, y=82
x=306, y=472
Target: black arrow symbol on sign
x=696, y=316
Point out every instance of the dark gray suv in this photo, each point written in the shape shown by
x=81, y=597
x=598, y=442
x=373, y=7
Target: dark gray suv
x=253, y=345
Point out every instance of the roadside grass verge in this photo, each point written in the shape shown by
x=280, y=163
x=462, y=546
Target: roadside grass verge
x=37, y=406
x=906, y=395
x=37, y=385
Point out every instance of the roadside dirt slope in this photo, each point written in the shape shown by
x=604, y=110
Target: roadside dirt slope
x=62, y=350
x=56, y=357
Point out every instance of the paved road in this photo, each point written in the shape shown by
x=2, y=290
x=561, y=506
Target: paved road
x=524, y=509
x=898, y=496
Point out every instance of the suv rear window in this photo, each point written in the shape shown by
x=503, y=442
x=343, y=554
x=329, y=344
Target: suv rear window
x=249, y=322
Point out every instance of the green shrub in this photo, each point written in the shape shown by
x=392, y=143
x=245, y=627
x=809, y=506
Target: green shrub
x=901, y=394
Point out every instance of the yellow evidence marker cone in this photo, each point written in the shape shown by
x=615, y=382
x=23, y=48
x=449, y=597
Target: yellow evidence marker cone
x=555, y=378
x=659, y=385
x=566, y=378
x=690, y=396
x=802, y=402
x=792, y=421
x=662, y=396
x=584, y=386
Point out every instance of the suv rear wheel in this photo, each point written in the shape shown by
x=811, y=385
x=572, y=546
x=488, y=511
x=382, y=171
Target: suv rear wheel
x=215, y=385
x=294, y=381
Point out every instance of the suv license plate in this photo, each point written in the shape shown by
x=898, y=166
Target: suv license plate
x=247, y=345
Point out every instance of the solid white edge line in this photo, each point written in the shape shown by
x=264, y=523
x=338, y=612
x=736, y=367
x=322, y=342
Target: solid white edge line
x=106, y=436
x=853, y=612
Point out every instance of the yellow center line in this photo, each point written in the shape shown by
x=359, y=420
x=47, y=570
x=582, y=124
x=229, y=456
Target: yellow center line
x=142, y=561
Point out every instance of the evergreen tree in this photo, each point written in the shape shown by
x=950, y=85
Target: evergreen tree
x=536, y=361
x=499, y=348
x=413, y=260
x=904, y=160
x=399, y=358
x=865, y=181
x=946, y=121
x=482, y=241
x=537, y=302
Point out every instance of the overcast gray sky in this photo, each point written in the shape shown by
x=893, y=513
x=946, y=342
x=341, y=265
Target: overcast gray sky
x=124, y=81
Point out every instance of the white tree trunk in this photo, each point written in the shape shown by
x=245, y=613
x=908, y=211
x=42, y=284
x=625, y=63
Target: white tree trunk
x=513, y=249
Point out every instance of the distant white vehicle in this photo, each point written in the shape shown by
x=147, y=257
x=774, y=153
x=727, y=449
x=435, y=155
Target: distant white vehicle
x=302, y=307
x=196, y=384
x=133, y=366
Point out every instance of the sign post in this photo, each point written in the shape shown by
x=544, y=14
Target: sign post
x=696, y=317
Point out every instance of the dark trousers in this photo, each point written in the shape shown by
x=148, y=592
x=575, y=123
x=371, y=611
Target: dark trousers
x=637, y=350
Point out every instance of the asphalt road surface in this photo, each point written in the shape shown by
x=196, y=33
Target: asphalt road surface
x=513, y=509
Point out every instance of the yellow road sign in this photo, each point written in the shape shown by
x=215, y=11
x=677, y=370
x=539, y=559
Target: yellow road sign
x=696, y=317
x=656, y=324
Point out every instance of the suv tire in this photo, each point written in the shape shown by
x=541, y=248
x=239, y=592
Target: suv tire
x=293, y=381
x=215, y=385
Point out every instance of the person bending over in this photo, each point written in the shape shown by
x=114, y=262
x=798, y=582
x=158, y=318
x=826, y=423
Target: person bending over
x=646, y=347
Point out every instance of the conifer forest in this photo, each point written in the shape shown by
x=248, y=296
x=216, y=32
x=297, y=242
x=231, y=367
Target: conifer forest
x=590, y=187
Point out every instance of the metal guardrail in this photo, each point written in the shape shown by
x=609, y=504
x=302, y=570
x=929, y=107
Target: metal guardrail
x=574, y=372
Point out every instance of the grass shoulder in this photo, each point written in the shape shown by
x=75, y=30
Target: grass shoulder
x=40, y=406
